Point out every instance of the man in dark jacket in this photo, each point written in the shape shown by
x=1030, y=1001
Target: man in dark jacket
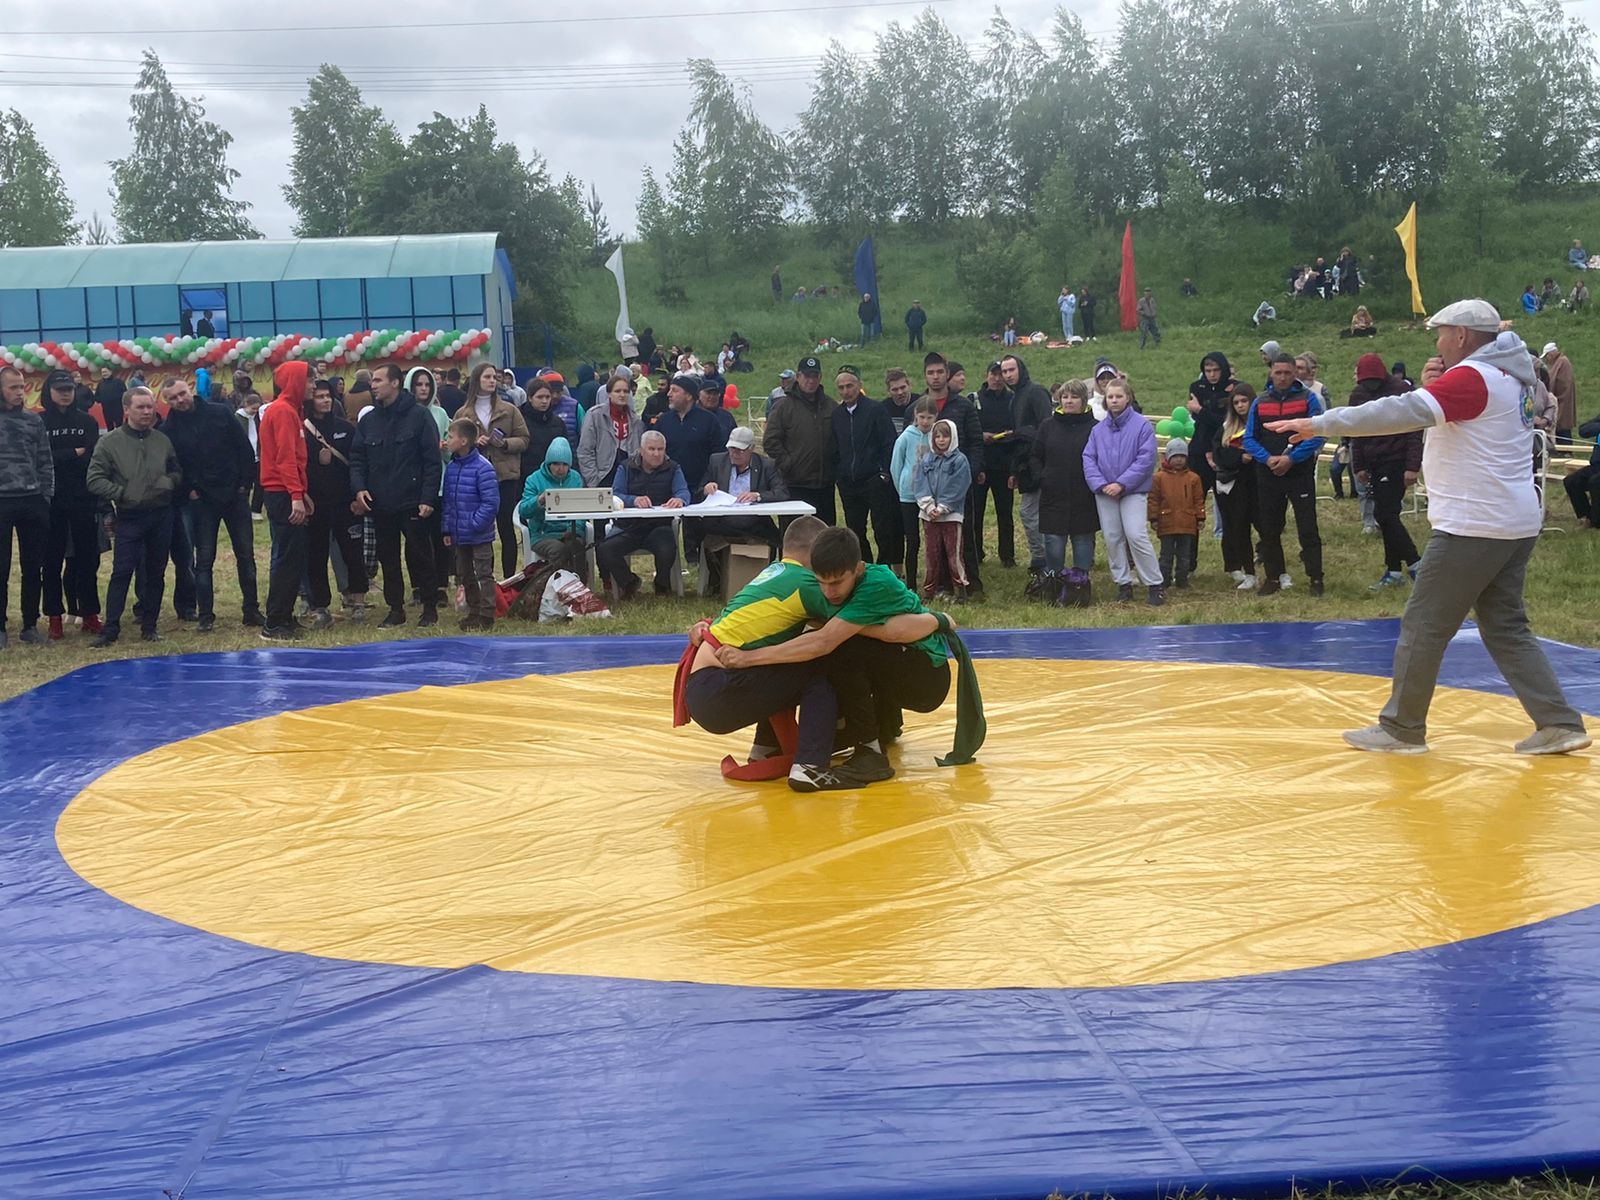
x=870, y=316
x=72, y=550
x=916, y=320
x=135, y=468
x=693, y=434
x=969, y=429
x=330, y=440
x=863, y=441
x=395, y=472
x=27, y=482
x=108, y=395
x=749, y=478
x=799, y=439
x=1031, y=407
x=219, y=470
x=993, y=402
x=647, y=480
x=1285, y=475
x=901, y=397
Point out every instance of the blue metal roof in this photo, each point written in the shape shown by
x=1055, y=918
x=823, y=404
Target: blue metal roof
x=247, y=262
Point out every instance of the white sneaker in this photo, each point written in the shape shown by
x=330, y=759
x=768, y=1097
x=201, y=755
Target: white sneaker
x=1285, y=581
x=1378, y=739
x=1238, y=576
x=1249, y=584
x=1553, y=739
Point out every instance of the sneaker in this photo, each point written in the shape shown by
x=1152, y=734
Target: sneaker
x=106, y=638
x=817, y=779
x=1285, y=581
x=428, y=618
x=55, y=629
x=1389, y=579
x=1269, y=587
x=396, y=617
x=1249, y=583
x=1316, y=587
x=253, y=619
x=1369, y=530
x=358, y=614
x=1380, y=741
x=31, y=636
x=302, y=607
x=866, y=764
x=1156, y=598
x=188, y=615
x=321, y=618
x=207, y=624
x=150, y=635
x=1238, y=577
x=1124, y=593
x=1554, y=739
x=1412, y=571
x=281, y=633
x=92, y=624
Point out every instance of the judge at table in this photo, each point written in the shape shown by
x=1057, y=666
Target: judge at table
x=647, y=480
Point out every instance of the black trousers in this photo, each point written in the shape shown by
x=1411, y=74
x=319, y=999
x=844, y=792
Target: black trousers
x=1004, y=503
x=1275, y=494
x=294, y=545
x=875, y=680
x=628, y=536
x=721, y=701
x=140, y=543
x=971, y=543
x=911, y=536
x=1088, y=321
x=200, y=520
x=418, y=533
x=72, y=559
x=335, y=527
x=1388, y=481
x=29, y=516
x=510, y=497
x=914, y=341
x=873, y=496
x=1238, y=508
x=1583, y=490
x=1177, y=551
x=821, y=499
x=185, y=598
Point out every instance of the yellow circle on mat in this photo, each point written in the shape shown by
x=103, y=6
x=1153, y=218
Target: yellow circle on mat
x=1128, y=822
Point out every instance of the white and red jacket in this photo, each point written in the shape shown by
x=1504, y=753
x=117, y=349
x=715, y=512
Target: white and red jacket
x=1477, y=454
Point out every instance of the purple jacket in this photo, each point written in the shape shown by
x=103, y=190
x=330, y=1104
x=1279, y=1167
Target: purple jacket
x=1121, y=450
x=471, y=500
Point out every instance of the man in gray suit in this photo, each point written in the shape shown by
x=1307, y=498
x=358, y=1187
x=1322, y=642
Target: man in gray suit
x=749, y=478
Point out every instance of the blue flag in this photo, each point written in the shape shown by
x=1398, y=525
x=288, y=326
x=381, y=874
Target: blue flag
x=867, y=277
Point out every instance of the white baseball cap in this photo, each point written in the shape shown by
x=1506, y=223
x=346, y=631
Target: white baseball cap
x=1478, y=315
x=741, y=439
x=1548, y=346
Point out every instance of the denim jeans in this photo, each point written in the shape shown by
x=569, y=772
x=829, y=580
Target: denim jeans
x=1055, y=551
x=140, y=543
x=201, y=519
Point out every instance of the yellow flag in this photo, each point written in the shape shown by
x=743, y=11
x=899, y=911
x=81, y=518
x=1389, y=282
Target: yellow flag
x=1407, y=231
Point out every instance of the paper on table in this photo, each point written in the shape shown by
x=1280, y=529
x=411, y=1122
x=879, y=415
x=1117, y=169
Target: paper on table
x=717, y=499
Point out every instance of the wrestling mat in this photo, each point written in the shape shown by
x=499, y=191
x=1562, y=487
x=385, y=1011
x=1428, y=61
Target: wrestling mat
x=469, y=918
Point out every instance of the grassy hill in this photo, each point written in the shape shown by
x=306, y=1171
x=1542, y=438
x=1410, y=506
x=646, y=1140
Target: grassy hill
x=1245, y=263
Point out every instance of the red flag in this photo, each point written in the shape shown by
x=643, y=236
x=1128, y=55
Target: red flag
x=1128, y=293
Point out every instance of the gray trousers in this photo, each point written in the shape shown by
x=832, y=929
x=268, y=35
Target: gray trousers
x=1028, y=509
x=1483, y=576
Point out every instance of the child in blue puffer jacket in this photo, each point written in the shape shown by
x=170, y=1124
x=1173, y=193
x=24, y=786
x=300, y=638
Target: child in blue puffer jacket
x=471, y=504
x=942, y=478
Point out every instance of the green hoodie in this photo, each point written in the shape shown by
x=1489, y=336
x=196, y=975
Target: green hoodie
x=541, y=481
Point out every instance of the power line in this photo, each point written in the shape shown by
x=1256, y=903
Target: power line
x=298, y=30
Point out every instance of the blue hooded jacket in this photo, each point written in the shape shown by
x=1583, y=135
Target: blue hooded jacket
x=541, y=481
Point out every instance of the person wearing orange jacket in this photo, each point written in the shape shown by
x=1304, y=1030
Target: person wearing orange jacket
x=283, y=480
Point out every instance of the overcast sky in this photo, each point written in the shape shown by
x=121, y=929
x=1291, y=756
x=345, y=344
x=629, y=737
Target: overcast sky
x=75, y=86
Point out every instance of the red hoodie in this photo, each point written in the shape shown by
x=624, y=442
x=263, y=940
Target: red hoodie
x=283, y=440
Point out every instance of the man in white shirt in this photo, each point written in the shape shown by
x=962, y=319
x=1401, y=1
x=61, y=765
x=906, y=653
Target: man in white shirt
x=1476, y=404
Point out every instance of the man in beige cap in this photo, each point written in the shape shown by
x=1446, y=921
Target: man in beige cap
x=1564, y=388
x=1476, y=406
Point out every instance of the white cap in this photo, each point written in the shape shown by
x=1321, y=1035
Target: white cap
x=1478, y=315
x=1548, y=346
x=741, y=439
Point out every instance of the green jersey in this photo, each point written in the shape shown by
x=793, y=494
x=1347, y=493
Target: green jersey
x=773, y=607
x=881, y=595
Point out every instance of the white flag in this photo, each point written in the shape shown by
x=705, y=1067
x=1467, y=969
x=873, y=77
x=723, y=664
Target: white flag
x=614, y=265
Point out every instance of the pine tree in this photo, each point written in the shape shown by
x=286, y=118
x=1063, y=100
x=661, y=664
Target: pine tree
x=34, y=207
x=95, y=232
x=337, y=139
x=175, y=183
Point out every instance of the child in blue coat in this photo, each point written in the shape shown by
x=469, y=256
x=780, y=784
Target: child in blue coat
x=471, y=504
x=941, y=479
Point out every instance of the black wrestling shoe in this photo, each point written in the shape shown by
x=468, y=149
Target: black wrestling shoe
x=830, y=779
x=865, y=763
